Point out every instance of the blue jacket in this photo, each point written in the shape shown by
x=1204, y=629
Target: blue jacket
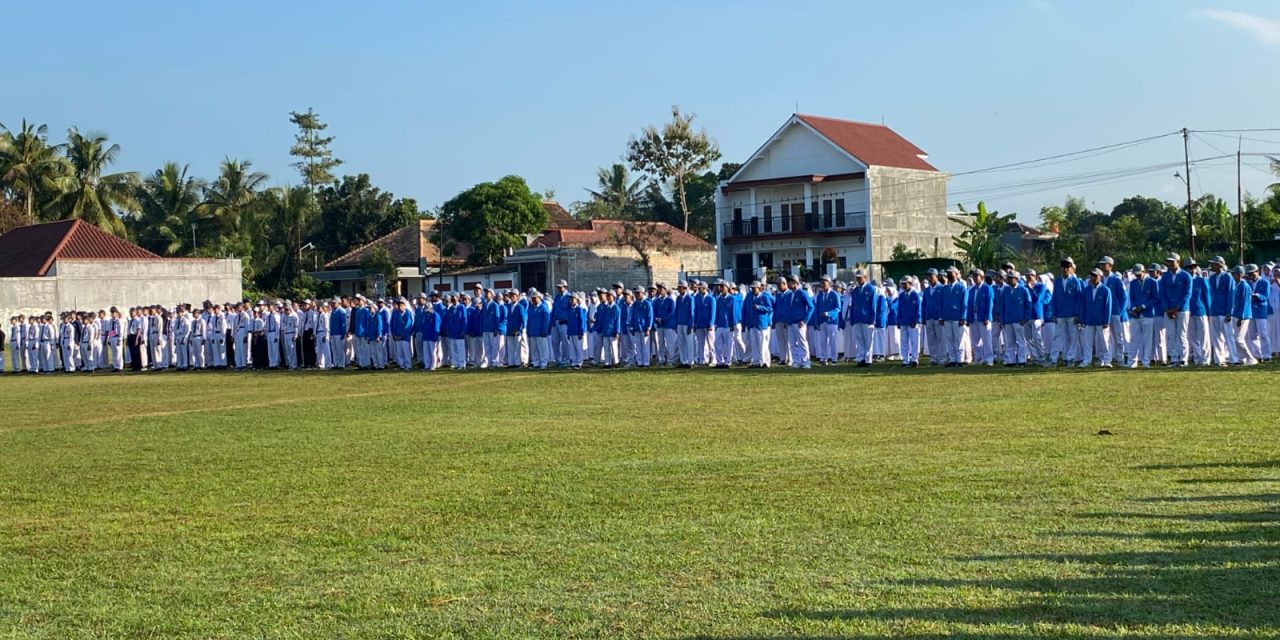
x=1175, y=290
x=1119, y=296
x=1144, y=293
x=1221, y=285
x=475, y=321
x=955, y=302
x=1261, y=299
x=864, y=303
x=664, y=312
x=427, y=324
x=1095, y=308
x=910, y=308
x=728, y=311
x=402, y=324
x=882, y=309
x=981, y=303
x=361, y=324
x=799, y=306
x=455, y=322
x=1242, y=301
x=828, y=308
x=641, y=315
x=384, y=325
x=684, y=310
x=338, y=323
x=1066, y=297
x=782, y=307
x=517, y=313
x=560, y=308
x=757, y=310
x=704, y=311
x=1017, y=304
x=933, y=301
x=1200, y=297
x=607, y=320
x=576, y=321
x=494, y=318
x=538, y=323
x=1041, y=301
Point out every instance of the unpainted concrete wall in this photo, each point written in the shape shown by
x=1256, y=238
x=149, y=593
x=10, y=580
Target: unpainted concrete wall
x=101, y=284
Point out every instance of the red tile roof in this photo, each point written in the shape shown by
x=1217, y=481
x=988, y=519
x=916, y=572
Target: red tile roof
x=606, y=232
x=405, y=245
x=558, y=217
x=872, y=144
x=28, y=252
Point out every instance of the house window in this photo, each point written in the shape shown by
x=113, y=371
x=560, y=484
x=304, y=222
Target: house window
x=768, y=218
x=842, y=262
x=502, y=284
x=840, y=213
x=826, y=214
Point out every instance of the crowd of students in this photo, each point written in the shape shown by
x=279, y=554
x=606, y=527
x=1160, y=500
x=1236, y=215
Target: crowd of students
x=1172, y=314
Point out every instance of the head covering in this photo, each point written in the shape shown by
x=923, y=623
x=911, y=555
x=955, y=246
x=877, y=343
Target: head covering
x=1251, y=268
x=1237, y=269
x=1153, y=267
x=1172, y=257
x=1067, y=260
x=931, y=272
x=1029, y=272
x=1106, y=260
x=1137, y=268
x=1218, y=260
x=756, y=283
x=827, y=278
x=562, y=283
x=1096, y=272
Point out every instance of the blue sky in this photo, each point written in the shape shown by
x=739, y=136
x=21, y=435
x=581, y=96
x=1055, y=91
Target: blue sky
x=430, y=98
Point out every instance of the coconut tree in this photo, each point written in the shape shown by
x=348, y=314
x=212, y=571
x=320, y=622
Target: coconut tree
x=616, y=196
x=288, y=217
x=230, y=199
x=167, y=211
x=93, y=197
x=31, y=167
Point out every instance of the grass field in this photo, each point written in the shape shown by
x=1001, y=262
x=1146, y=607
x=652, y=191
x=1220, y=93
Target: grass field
x=830, y=504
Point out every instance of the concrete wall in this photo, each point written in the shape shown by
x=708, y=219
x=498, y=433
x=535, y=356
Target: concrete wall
x=101, y=284
x=588, y=268
x=909, y=206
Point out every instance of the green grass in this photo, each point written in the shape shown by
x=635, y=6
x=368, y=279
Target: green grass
x=832, y=504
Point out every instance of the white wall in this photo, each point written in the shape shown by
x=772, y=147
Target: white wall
x=799, y=151
x=101, y=284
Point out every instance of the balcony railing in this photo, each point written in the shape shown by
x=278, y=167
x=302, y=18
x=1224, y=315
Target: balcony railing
x=808, y=223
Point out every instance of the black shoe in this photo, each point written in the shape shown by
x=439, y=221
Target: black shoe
x=863, y=364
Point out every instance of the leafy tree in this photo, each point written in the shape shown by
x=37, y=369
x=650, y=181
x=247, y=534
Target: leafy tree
x=1162, y=221
x=982, y=239
x=493, y=217
x=673, y=154
x=316, y=161
x=379, y=263
x=230, y=200
x=93, y=197
x=646, y=239
x=289, y=219
x=12, y=214
x=31, y=167
x=901, y=252
x=167, y=208
x=353, y=212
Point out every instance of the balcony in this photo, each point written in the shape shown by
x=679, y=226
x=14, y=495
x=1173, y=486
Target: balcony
x=804, y=225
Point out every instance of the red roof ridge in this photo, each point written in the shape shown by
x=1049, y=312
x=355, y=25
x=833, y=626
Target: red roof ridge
x=53, y=255
x=844, y=120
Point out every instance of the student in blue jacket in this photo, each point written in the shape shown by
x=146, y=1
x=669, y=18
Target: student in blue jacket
x=538, y=328
x=1016, y=317
x=1242, y=316
x=704, y=315
x=955, y=308
x=980, y=315
x=401, y=334
x=1198, y=320
x=686, y=341
x=1259, y=337
x=576, y=330
x=757, y=312
x=1066, y=312
x=910, y=317
x=1095, y=321
x=606, y=329
x=799, y=308
x=1119, y=306
x=427, y=323
x=641, y=329
x=1175, y=292
x=1220, y=288
x=515, y=344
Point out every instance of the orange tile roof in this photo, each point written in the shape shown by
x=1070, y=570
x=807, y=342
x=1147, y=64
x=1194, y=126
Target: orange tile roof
x=30, y=251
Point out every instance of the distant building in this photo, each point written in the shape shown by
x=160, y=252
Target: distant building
x=850, y=190
x=1025, y=239
x=69, y=264
x=602, y=252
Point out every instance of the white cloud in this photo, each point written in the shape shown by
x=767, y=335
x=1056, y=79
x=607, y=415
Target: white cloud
x=1265, y=30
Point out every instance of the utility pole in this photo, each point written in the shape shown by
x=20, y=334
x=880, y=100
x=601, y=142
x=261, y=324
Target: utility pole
x=1186, y=158
x=1239, y=202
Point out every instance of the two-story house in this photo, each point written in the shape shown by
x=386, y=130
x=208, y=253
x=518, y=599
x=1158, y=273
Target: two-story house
x=828, y=190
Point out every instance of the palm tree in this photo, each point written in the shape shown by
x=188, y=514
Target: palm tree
x=29, y=165
x=289, y=216
x=168, y=201
x=93, y=197
x=616, y=197
x=230, y=199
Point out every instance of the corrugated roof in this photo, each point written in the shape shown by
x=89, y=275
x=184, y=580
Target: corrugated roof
x=558, y=217
x=872, y=144
x=28, y=252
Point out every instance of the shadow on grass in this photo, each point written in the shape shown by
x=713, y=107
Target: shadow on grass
x=1197, y=582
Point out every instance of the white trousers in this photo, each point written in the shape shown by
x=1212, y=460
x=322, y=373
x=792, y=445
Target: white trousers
x=517, y=350
x=539, y=352
x=686, y=343
x=668, y=346
x=980, y=338
x=933, y=342
x=1066, y=340
x=1242, y=329
x=430, y=356
x=493, y=348
x=953, y=334
x=799, y=346
x=863, y=342
x=1176, y=336
x=458, y=353
x=1259, y=339
x=1198, y=339
x=641, y=356
x=705, y=345
x=825, y=347
x=242, y=350
x=1222, y=342
x=1016, y=346
x=909, y=337
x=322, y=352
x=1119, y=339
x=1158, y=352
x=574, y=344
x=1033, y=332
x=1094, y=340
x=69, y=356
x=758, y=346
x=1141, y=342
x=195, y=352
x=338, y=353
x=290, y=345
x=780, y=342
x=273, y=351
x=608, y=350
